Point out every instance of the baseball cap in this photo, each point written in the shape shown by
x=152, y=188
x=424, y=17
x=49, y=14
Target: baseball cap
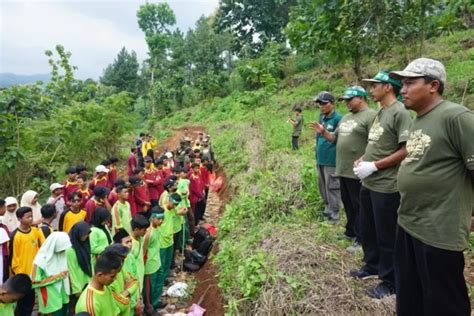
x=10, y=201
x=354, y=91
x=422, y=67
x=101, y=168
x=324, y=97
x=383, y=76
x=55, y=186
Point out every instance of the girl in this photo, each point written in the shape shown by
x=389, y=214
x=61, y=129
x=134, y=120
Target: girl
x=100, y=236
x=50, y=275
x=30, y=199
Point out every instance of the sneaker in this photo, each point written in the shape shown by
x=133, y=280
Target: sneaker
x=363, y=274
x=381, y=290
x=355, y=247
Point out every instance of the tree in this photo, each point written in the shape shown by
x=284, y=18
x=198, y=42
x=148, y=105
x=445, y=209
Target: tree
x=123, y=72
x=253, y=23
x=61, y=86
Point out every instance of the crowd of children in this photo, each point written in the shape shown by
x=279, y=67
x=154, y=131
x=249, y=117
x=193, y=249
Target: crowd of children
x=105, y=245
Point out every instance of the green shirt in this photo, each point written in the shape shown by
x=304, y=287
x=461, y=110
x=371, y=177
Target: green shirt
x=183, y=191
x=152, y=249
x=98, y=240
x=50, y=298
x=299, y=125
x=325, y=150
x=97, y=302
x=137, y=253
x=121, y=217
x=434, y=179
x=78, y=279
x=352, y=134
x=130, y=268
x=7, y=309
x=389, y=130
x=167, y=229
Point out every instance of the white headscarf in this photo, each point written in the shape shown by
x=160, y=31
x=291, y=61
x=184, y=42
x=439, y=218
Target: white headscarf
x=52, y=259
x=26, y=200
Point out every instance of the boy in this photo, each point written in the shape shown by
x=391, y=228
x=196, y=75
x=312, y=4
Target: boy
x=57, y=199
x=151, y=247
x=81, y=171
x=13, y=290
x=74, y=214
x=112, y=171
x=70, y=184
x=113, y=197
x=97, y=298
x=24, y=245
x=183, y=191
x=9, y=218
x=86, y=193
x=98, y=200
x=139, y=225
x=121, y=213
x=152, y=180
x=141, y=194
x=100, y=179
x=132, y=161
x=49, y=214
x=196, y=193
x=166, y=238
x=297, y=124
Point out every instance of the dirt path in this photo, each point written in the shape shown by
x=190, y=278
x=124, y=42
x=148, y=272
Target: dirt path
x=207, y=293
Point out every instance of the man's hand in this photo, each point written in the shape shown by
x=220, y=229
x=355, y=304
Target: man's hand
x=317, y=127
x=364, y=169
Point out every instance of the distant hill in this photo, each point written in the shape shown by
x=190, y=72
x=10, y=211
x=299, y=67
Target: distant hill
x=10, y=79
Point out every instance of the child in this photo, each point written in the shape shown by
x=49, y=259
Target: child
x=50, y=275
x=71, y=184
x=13, y=290
x=196, y=193
x=183, y=191
x=58, y=200
x=141, y=193
x=139, y=226
x=24, y=245
x=4, y=239
x=98, y=200
x=100, y=179
x=9, y=218
x=74, y=214
x=81, y=171
x=151, y=247
x=112, y=197
x=121, y=213
x=124, y=286
x=130, y=270
x=132, y=161
x=97, y=298
x=112, y=171
x=100, y=236
x=30, y=199
x=166, y=239
x=86, y=193
x=152, y=180
x=49, y=214
x=79, y=260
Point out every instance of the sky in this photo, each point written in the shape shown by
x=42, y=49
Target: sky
x=94, y=31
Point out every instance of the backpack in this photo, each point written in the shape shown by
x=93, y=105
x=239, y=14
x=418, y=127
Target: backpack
x=202, y=242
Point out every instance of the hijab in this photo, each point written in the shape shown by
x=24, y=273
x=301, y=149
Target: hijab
x=82, y=248
x=52, y=258
x=26, y=200
x=99, y=216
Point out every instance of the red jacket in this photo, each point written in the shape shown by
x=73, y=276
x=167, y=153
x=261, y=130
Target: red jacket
x=102, y=182
x=86, y=195
x=69, y=187
x=113, y=197
x=131, y=164
x=132, y=202
x=205, y=175
x=91, y=205
x=142, y=196
x=196, y=188
x=112, y=176
x=151, y=177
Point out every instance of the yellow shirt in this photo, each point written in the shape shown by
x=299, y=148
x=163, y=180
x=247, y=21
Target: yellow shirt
x=23, y=249
x=69, y=219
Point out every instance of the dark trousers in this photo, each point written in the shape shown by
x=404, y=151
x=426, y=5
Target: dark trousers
x=378, y=222
x=294, y=142
x=25, y=305
x=429, y=280
x=199, y=211
x=350, y=196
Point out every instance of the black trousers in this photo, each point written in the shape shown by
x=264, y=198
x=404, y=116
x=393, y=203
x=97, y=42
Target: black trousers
x=429, y=280
x=294, y=142
x=25, y=305
x=199, y=212
x=350, y=196
x=378, y=222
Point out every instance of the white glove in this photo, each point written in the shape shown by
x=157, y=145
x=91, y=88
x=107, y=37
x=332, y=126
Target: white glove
x=364, y=169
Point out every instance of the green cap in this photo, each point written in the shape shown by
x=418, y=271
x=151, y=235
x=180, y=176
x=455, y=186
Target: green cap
x=383, y=76
x=354, y=91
